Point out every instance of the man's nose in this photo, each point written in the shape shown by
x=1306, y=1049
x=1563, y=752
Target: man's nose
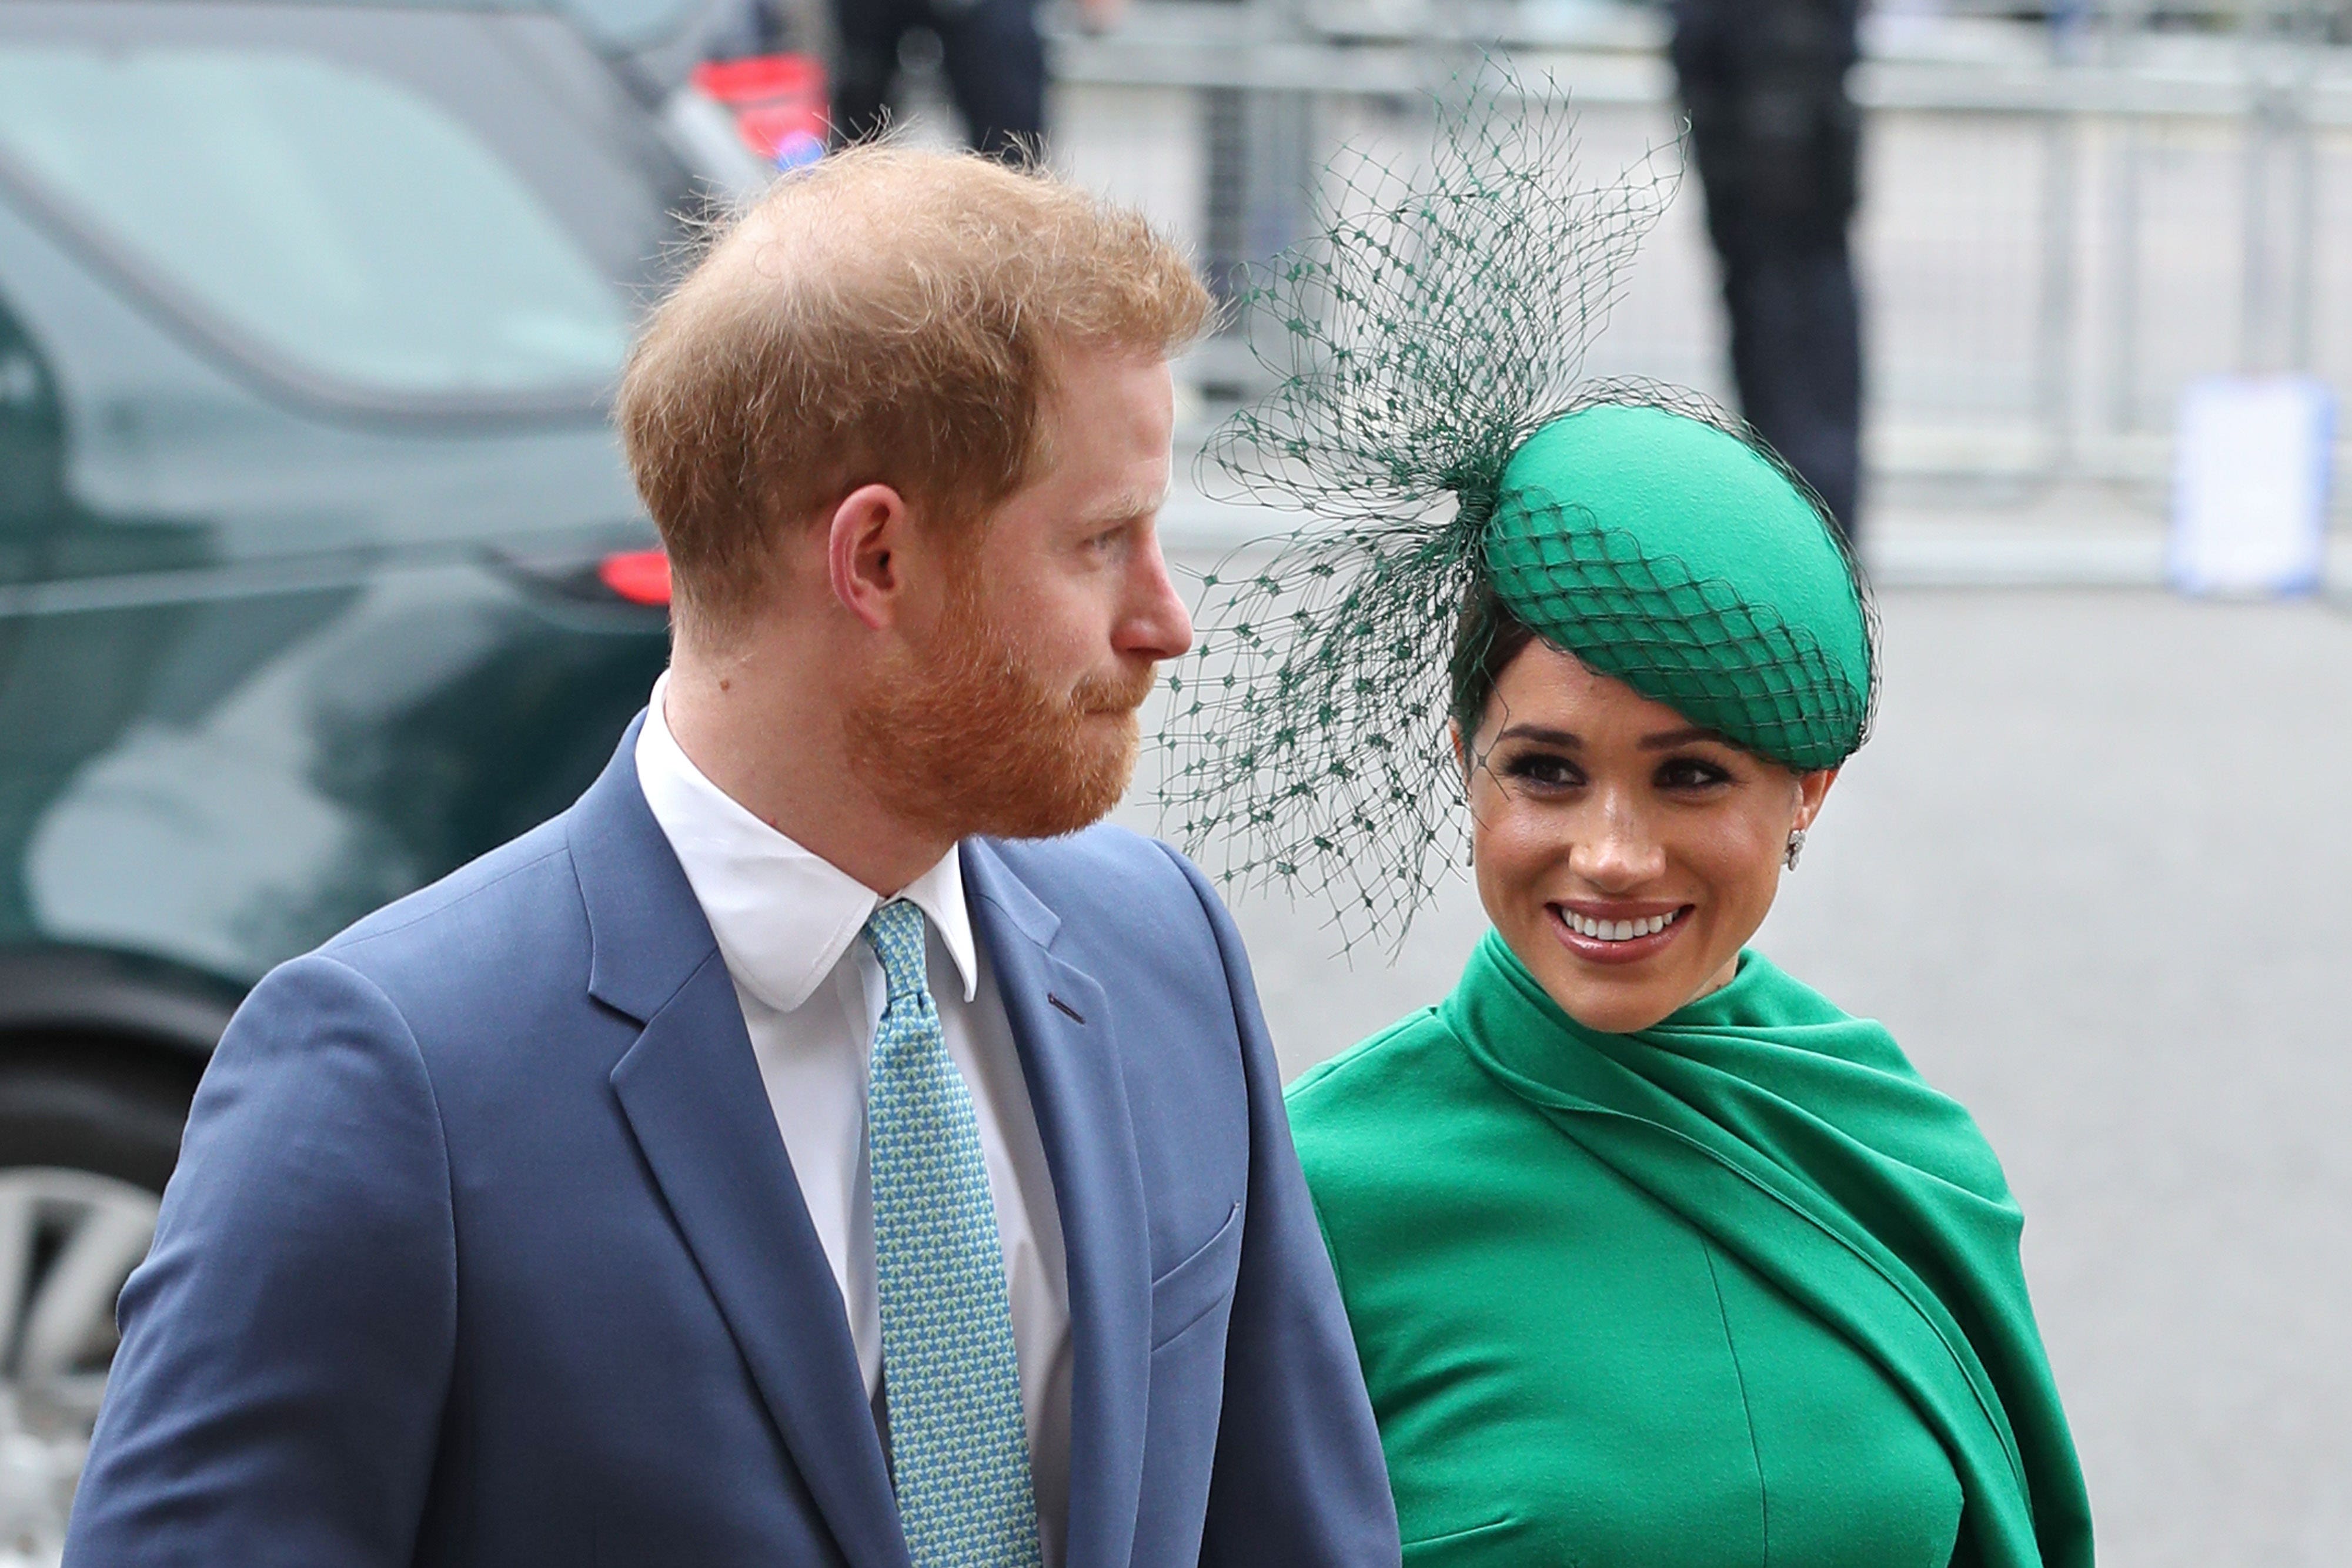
x=1156, y=625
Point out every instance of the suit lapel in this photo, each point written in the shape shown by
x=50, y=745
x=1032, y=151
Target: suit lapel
x=691, y=1091
x=1061, y=1024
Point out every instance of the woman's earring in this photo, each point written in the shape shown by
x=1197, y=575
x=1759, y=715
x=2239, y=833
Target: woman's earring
x=1796, y=846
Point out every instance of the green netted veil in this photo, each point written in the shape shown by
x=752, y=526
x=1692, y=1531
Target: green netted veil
x=1431, y=422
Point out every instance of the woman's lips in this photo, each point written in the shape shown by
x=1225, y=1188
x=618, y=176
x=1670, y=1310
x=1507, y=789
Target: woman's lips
x=1577, y=932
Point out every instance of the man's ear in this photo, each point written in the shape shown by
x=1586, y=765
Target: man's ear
x=865, y=538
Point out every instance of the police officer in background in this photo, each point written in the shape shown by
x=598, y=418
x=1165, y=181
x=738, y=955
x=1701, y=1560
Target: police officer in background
x=1776, y=138
x=989, y=51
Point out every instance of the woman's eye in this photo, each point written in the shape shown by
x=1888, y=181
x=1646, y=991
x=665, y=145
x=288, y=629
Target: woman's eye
x=1691, y=773
x=1543, y=771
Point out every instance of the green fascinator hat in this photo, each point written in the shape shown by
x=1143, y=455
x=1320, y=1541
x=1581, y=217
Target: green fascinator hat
x=1451, y=466
x=1677, y=557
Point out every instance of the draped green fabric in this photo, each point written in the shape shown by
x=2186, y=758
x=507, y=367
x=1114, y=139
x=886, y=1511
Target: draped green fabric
x=1507, y=1193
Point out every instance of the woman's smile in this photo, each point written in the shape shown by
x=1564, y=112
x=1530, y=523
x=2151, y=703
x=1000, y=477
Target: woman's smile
x=1607, y=932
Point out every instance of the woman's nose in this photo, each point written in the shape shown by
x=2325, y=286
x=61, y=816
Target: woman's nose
x=1614, y=849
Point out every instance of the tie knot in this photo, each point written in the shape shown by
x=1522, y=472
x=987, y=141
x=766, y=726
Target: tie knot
x=896, y=930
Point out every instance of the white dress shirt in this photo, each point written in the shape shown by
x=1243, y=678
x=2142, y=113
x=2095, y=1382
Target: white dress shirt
x=788, y=927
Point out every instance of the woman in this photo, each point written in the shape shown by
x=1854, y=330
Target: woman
x=1653, y=1256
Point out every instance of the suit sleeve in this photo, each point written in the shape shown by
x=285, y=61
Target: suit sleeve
x=1299, y=1481
x=287, y=1347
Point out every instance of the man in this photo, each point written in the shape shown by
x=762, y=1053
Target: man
x=1777, y=138
x=762, y=1164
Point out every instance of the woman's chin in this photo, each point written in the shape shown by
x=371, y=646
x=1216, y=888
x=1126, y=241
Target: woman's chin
x=1615, y=998
x=1617, y=1015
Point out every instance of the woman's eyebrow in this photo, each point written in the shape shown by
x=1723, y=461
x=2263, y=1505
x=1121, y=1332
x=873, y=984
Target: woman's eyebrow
x=1672, y=737
x=1541, y=734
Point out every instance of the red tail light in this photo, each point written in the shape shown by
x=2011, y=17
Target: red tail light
x=639, y=576
x=778, y=102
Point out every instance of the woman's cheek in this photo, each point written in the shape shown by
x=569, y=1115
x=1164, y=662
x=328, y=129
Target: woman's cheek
x=1509, y=869
x=1522, y=840
x=1741, y=861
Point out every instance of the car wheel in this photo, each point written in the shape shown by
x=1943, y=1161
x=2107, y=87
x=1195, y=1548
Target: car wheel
x=83, y=1156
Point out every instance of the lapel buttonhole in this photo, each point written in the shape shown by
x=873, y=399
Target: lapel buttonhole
x=1075, y=1014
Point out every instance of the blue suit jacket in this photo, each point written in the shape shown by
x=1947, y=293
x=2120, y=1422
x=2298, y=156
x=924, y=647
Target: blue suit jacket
x=484, y=1248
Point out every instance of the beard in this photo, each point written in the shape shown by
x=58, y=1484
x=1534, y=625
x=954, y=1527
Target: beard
x=961, y=736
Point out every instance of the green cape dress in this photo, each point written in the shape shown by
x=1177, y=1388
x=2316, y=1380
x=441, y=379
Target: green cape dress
x=1737, y=1288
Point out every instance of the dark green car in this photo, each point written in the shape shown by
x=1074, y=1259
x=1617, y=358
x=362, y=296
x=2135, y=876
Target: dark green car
x=314, y=550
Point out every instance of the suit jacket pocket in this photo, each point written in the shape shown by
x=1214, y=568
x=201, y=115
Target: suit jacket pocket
x=1188, y=1291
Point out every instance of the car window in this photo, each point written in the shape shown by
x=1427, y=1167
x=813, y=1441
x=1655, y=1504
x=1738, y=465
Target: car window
x=345, y=223
x=631, y=24
x=608, y=24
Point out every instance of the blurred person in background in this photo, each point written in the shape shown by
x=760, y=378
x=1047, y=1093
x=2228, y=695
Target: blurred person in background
x=1775, y=139
x=990, y=51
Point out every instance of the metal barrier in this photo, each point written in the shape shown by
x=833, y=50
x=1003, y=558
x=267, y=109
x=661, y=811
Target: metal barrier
x=2063, y=223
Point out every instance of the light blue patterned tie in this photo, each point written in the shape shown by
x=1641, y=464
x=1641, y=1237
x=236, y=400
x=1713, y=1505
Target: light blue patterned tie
x=958, y=1448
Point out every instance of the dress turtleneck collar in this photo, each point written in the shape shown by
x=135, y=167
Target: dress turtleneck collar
x=1508, y=1021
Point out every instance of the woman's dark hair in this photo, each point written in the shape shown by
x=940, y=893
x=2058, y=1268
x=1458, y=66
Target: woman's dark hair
x=1487, y=637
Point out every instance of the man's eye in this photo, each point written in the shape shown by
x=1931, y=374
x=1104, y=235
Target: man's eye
x=1691, y=773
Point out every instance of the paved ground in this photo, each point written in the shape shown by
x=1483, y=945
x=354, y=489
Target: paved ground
x=2096, y=872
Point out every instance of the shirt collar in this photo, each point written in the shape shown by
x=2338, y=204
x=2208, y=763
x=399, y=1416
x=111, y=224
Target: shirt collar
x=782, y=915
